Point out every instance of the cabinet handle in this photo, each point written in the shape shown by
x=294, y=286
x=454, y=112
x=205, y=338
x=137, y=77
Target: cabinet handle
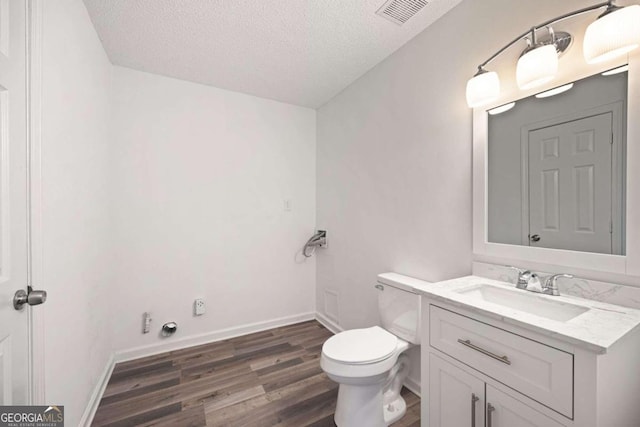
x=474, y=399
x=503, y=359
x=490, y=409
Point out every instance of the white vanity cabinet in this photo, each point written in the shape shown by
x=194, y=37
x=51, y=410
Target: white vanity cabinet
x=457, y=398
x=505, y=411
x=484, y=371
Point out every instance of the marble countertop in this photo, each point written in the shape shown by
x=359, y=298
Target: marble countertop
x=597, y=329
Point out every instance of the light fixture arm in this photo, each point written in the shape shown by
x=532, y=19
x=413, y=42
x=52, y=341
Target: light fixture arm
x=609, y=4
x=533, y=37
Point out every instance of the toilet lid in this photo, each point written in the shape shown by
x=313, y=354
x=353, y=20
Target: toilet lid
x=360, y=346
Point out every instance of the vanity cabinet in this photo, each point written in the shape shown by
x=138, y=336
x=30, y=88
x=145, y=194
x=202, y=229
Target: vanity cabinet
x=482, y=370
x=457, y=398
x=538, y=371
x=505, y=411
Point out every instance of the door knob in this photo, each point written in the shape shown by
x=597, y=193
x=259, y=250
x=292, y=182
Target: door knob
x=21, y=298
x=534, y=237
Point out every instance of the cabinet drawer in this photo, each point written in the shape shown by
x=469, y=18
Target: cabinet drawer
x=543, y=373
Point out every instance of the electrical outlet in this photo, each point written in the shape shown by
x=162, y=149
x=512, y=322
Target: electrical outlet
x=199, y=307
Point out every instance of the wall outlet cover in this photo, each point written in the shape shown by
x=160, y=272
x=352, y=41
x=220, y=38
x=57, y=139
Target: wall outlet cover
x=199, y=307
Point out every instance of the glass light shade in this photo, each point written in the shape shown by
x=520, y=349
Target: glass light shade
x=537, y=67
x=618, y=70
x=501, y=109
x=482, y=89
x=555, y=91
x=612, y=35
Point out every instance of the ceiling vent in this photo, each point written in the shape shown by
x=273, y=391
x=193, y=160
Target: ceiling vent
x=400, y=11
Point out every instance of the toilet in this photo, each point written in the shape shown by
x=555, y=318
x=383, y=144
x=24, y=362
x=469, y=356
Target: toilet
x=370, y=364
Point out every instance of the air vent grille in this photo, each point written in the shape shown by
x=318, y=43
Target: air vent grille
x=400, y=11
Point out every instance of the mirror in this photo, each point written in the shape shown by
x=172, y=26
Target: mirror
x=557, y=168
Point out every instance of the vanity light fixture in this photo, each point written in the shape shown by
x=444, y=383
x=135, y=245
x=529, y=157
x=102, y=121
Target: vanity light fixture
x=614, y=33
x=501, y=109
x=555, y=91
x=618, y=70
x=538, y=64
x=483, y=88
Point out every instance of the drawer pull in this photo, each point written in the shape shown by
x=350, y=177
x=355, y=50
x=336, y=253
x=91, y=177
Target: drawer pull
x=474, y=399
x=503, y=359
x=490, y=409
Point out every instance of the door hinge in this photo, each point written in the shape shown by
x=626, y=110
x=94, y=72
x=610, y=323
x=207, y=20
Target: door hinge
x=610, y=227
x=611, y=138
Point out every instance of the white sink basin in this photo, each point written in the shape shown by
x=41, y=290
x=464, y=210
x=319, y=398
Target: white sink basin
x=525, y=301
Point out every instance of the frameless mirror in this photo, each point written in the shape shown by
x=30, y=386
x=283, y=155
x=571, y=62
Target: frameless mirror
x=556, y=168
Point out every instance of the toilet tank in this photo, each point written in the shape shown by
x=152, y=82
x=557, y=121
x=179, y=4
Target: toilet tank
x=399, y=307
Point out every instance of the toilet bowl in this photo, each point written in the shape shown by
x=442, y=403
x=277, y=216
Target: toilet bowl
x=369, y=364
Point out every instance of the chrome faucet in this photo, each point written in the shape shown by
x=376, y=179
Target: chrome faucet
x=531, y=282
x=551, y=285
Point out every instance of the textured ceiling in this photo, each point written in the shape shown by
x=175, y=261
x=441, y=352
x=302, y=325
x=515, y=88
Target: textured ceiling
x=301, y=52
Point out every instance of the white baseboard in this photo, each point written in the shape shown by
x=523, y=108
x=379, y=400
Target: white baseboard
x=209, y=337
x=327, y=323
x=98, y=391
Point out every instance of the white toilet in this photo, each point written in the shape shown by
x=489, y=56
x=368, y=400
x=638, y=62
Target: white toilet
x=369, y=364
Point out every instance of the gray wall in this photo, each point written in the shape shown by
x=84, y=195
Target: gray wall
x=202, y=174
x=77, y=261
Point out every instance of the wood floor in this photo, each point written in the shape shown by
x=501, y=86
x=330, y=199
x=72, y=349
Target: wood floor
x=270, y=378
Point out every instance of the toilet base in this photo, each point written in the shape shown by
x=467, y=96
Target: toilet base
x=372, y=401
x=395, y=410
x=394, y=405
x=360, y=405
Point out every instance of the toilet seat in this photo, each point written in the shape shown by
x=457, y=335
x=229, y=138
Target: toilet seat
x=360, y=346
x=361, y=353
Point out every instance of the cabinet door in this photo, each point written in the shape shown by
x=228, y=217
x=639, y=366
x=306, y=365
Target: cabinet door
x=505, y=411
x=456, y=398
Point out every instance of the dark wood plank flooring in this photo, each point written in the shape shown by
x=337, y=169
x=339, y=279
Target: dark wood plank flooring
x=270, y=378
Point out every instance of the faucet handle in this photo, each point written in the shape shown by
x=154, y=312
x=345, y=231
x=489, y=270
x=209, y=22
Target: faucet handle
x=523, y=276
x=551, y=285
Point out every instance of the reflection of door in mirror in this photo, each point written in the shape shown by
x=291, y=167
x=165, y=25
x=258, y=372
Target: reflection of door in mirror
x=556, y=169
x=570, y=184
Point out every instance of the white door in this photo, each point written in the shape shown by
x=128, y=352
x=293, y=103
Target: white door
x=456, y=398
x=14, y=358
x=570, y=185
x=505, y=411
